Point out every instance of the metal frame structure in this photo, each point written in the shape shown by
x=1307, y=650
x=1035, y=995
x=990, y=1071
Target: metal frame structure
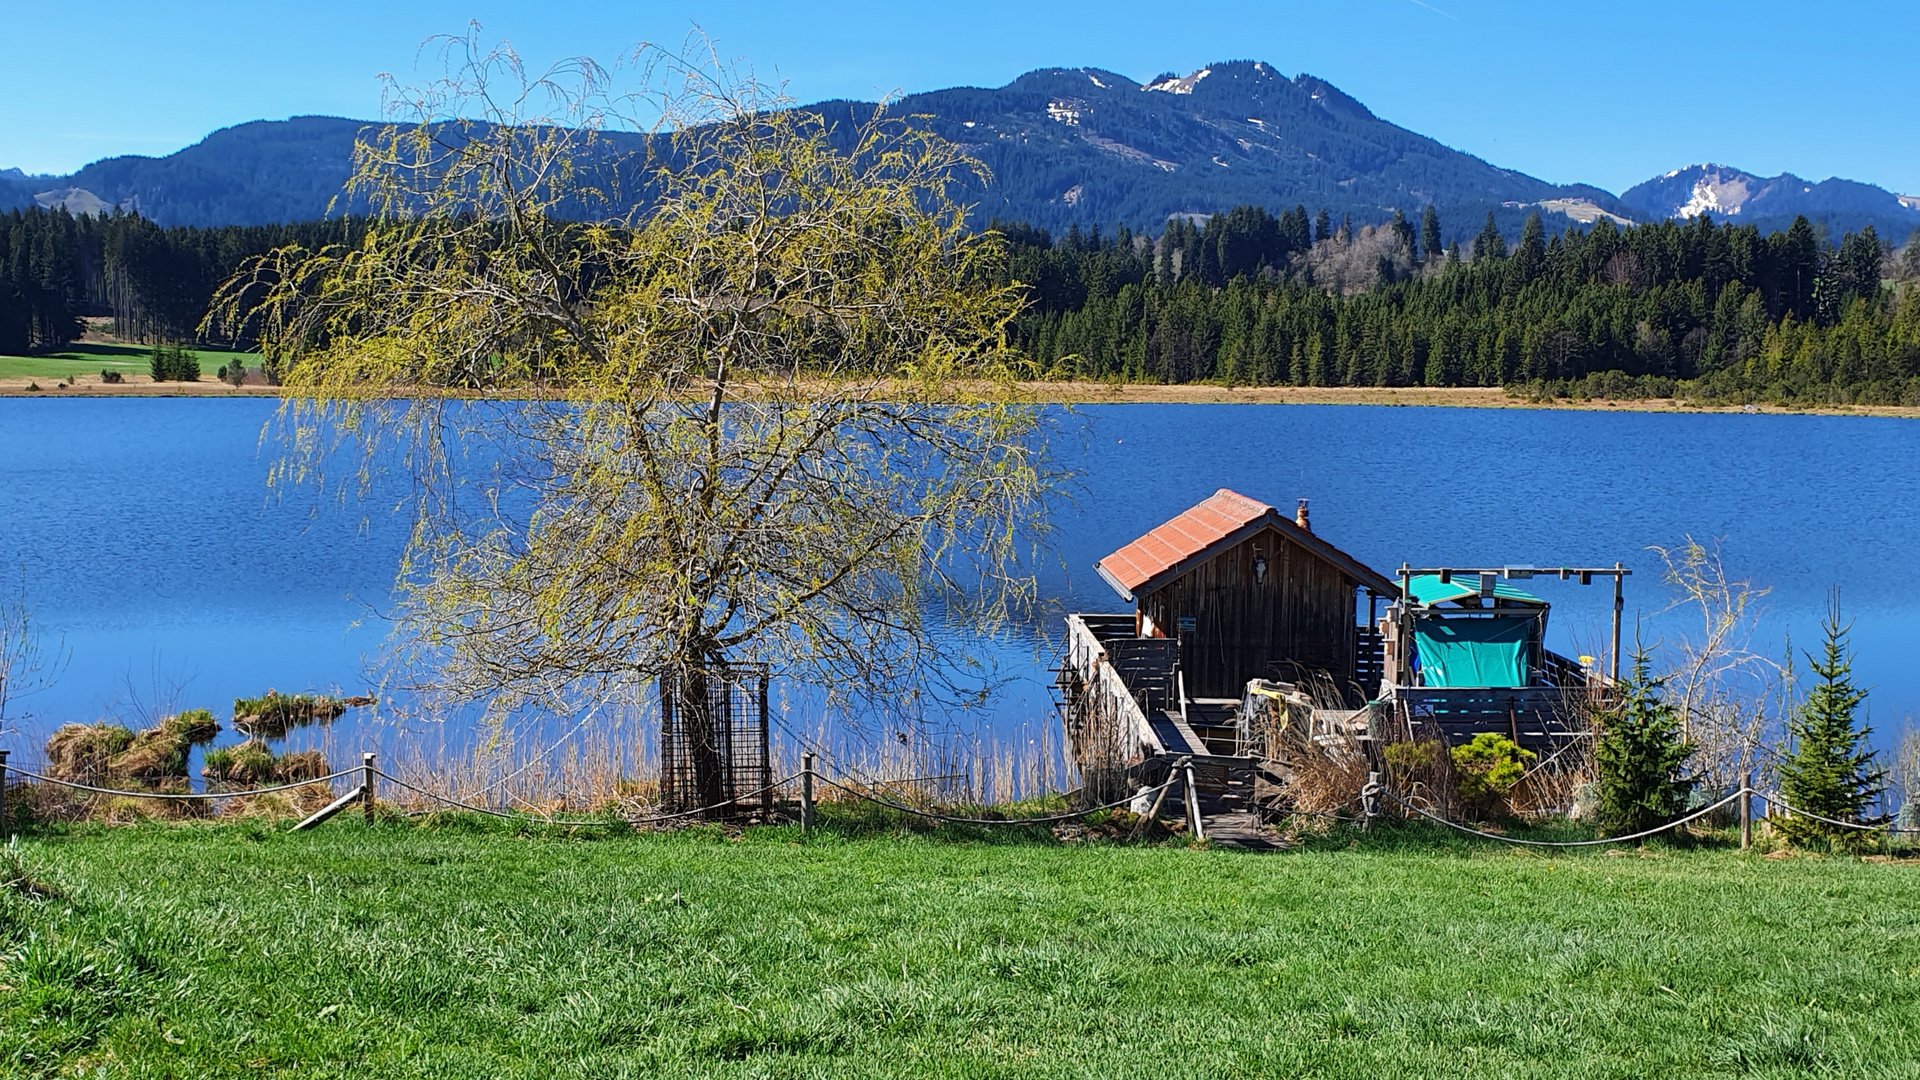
x=723, y=757
x=1487, y=576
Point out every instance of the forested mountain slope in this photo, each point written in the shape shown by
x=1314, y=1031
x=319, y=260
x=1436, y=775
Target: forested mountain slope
x=1065, y=146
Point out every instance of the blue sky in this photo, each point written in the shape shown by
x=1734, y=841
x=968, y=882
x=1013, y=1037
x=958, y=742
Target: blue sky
x=1604, y=94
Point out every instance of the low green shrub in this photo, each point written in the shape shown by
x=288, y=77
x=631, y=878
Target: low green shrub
x=1485, y=771
x=173, y=363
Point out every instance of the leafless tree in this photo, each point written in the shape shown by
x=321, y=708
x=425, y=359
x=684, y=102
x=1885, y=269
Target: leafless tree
x=28, y=666
x=1732, y=699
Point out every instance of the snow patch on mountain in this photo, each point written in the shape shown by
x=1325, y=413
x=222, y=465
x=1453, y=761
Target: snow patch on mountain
x=1717, y=193
x=75, y=200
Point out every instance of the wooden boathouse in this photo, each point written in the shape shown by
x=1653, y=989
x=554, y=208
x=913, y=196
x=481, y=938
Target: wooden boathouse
x=1238, y=608
x=1247, y=593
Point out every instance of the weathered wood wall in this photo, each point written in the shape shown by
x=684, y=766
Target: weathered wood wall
x=1303, y=612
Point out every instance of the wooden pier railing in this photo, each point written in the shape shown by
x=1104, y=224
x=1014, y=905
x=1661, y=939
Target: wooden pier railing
x=1111, y=682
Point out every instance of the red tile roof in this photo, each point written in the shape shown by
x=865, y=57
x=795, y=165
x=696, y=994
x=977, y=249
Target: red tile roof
x=1223, y=519
x=1220, y=516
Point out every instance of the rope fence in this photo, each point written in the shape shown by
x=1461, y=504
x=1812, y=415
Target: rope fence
x=1368, y=798
x=206, y=795
x=1043, y=820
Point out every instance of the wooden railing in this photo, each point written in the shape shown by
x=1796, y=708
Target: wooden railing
x=1369, y=660
x=1112, y=683
x=1533, y=716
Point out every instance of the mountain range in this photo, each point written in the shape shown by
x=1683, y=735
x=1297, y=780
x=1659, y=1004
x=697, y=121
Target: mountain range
x=1066, y=146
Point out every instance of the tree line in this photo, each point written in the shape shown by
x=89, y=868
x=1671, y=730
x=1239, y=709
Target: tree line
x=1698, y=308
x=1715, y=311
x=57, y=268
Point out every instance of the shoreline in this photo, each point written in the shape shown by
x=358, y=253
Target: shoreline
x=1094, y=393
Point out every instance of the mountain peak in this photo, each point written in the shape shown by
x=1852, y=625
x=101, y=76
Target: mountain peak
x=1735, y=194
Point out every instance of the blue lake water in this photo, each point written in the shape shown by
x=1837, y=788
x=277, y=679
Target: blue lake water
x=150, y=544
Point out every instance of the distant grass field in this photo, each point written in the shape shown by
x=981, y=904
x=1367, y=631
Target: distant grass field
x=463, y=949
x=89, y=359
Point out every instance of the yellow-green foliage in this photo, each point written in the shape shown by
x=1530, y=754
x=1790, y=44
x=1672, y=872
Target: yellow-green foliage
x=1408, y=758
x=1486, y=769
x=762, y=417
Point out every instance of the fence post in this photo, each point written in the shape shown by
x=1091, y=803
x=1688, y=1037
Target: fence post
x=806, y=792
x=1746, y=812
x=366, y=786
x=1370, y=799
x=1197, y=828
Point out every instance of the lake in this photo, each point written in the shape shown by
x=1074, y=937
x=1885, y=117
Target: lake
x=149, y=542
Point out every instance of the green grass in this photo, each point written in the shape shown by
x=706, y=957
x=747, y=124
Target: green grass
x=89, y=359
x=473, y=950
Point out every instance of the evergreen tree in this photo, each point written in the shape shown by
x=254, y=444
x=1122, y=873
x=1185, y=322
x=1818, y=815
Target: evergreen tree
x=1404, y=230
x=1297, y=231
x=1641, y=757
x=1323, y=226
x=1489, y=244
x=1430, y=231
x=1531, y=256
x=1796, y=260
x=1857, y=266
x=1830, y=769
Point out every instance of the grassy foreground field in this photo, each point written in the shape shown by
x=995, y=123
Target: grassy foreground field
x=468, y=950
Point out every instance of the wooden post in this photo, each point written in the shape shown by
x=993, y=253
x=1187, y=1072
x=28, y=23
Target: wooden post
x=1370, y=800
x=1197, y=826
x=806, y=792
x=766, y=756
x=1746, y=812
x=1619, y=602
x=1403, y=654
x=366, y=786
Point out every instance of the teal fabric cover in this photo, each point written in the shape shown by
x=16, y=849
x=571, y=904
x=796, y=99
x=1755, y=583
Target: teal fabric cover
x=1468, y=651
x=1428, y=589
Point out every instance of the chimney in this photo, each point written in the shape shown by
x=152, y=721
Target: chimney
x=1300, y=516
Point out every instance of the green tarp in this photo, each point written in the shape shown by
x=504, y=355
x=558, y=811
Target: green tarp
x=1468, y=651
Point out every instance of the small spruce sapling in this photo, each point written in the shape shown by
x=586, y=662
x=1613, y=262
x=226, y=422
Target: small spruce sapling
x=1641, y=757
x=1830, y=770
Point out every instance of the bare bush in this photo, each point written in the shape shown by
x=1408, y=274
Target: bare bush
x=1903, y=777
x=1732, y=699
x=27, y=665
x=1353, y=264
